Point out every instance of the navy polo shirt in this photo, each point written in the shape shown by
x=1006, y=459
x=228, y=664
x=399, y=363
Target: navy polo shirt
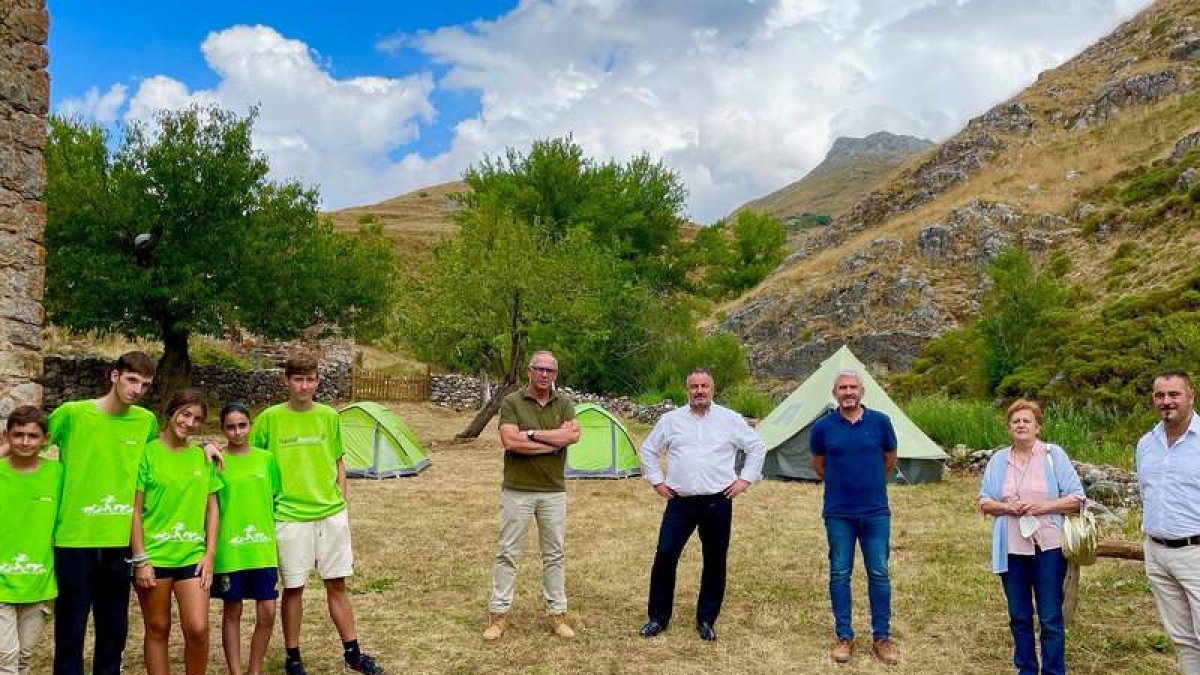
x=855, y=484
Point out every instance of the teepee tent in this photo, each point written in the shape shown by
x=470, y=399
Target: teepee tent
x=378, y=444
x=785, y=431
x=604, y=450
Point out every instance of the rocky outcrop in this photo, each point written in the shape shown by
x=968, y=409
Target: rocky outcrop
x=1012, y=117
x=878, y=143
x=1183, y=145
x=1187, y=49
x=1138, y=89
x=24, y=101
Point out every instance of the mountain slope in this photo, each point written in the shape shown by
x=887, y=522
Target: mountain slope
x=1044, y=170
x=414, y=221
x=851, y=169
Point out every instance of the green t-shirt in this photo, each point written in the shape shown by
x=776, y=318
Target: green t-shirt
x=100, y=454
x=307, y=446
x=28, y=502
x=176, y=485
x=535, y=473
x=246, y=537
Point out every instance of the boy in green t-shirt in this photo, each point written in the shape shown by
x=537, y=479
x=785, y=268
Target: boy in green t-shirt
x=312, y=528
x=100, y=443
x=29, y=493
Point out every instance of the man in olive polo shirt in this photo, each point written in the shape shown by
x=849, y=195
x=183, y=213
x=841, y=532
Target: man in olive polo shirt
x=536, y=426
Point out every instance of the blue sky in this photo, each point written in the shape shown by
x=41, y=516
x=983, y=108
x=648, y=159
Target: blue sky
x=739, y=97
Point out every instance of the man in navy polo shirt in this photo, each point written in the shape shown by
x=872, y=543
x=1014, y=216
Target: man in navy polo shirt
x=854, y=451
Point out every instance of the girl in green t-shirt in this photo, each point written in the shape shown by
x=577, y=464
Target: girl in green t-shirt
x=175, y=522
x=247, y=563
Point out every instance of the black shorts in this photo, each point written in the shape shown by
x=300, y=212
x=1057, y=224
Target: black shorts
x=256, y=584
x=177, y=573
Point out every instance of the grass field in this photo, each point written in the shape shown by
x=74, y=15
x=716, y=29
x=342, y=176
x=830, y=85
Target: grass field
x=424, y=556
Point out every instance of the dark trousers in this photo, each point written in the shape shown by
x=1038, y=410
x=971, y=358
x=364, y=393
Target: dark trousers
x=1038, y=577
x=712, y=514
x=91, y=581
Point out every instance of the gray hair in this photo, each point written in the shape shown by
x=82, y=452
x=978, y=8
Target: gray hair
x=543, y=352
x=848, y=372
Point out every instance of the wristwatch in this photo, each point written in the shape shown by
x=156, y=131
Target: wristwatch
x=531, y=435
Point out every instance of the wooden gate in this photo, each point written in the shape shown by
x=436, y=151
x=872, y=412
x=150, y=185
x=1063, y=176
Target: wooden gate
x=375, y=386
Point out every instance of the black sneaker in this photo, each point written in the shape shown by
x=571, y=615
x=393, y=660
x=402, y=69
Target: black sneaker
x=294, y=668
x=365, y=664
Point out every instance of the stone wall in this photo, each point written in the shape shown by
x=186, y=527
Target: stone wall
x=465, y=393
x=69, y=378
x=24, y=100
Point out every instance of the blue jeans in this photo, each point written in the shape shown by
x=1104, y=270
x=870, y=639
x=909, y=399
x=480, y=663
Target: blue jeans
x=1029, y=577
x=873, y=534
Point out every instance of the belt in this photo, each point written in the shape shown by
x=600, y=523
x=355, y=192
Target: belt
x=1177, y=543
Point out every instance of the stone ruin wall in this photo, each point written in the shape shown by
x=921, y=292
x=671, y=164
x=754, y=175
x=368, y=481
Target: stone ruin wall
x=24, y=102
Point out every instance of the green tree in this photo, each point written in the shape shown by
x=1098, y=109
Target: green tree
x=631, y=208
x=176, y=230
x=734, y=261
x=1019, y=304
x=502, y=285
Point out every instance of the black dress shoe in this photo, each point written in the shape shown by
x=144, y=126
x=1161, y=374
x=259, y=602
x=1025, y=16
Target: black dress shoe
x=651, y=629
x=706, y=631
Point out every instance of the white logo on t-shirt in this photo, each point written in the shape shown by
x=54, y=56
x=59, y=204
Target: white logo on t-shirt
x=108, y=507
x=178, y=533
x=250, y=535
x=20, y=567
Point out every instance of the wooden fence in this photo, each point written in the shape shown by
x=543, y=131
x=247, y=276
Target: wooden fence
x=376, y=386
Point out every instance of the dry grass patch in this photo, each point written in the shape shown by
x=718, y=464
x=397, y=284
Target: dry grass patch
x=425, y=546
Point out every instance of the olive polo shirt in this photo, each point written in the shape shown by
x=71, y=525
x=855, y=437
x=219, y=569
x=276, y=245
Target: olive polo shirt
x=535, y=473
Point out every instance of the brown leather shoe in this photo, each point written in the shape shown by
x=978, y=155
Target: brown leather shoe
x=558, y=623
x=496, y=625
x=885, y=651
x=843, y=649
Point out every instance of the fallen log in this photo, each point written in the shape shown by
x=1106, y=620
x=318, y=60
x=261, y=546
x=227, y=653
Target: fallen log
x=1128, y=550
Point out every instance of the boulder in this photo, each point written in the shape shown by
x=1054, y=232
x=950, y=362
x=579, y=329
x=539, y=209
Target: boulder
x=1187, y=49
x=1184, y=144
x=1188, y=180
x=934, y=243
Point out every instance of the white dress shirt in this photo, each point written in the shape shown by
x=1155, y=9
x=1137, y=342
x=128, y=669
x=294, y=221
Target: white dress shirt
x=1170, y=482
x=701, y=450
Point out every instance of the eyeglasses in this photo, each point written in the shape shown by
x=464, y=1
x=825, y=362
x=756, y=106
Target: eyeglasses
x=543, y=370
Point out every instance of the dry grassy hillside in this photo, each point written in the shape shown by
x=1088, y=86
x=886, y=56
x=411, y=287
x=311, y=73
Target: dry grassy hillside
x=414, y=221
x=851, y=170
x=1037, y=171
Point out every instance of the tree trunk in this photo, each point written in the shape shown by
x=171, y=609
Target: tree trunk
x=175, y=366
x=516, y=356
x=1070, y=593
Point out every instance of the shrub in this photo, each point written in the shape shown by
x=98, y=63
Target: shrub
x=748, y=400
x=1153, y=183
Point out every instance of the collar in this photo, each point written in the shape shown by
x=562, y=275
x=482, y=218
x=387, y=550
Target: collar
x=1160, y=429
x=1038, y=451
x=528, y=397
x=837, y=411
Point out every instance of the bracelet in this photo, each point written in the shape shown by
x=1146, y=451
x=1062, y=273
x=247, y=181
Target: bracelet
x=138, y=560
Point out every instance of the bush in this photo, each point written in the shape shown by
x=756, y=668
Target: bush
x=208, y=354
x=748, y=400
x=1153, y=183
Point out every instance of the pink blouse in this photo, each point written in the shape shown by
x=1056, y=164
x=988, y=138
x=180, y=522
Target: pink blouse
x=1029, y=485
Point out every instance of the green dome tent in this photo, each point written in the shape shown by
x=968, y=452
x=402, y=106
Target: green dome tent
x=378, y=444
x=604, y=450
x=785, y=430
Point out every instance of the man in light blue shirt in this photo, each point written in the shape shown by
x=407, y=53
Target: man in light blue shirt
x=701, y=442
x=1168, y=470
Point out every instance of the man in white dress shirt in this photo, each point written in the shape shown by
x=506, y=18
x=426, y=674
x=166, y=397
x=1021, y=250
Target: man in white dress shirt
x=1168, y=470
x=701, y=443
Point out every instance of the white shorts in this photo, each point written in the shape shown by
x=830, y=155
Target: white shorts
x=323, y=545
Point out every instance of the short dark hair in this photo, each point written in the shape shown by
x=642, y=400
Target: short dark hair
x=232, y=407
x=27, y=414
x=186, y=397
x=135, y=362
x=1173, y=375
x=301, y=363
x=700, y=371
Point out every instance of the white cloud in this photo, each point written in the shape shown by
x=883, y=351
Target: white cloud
x=739, y=97
x=104, y=108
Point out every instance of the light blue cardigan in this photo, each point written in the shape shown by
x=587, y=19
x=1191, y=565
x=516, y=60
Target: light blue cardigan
x=1061, y=480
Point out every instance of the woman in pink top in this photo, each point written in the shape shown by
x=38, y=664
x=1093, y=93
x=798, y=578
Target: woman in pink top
x=1027, y=487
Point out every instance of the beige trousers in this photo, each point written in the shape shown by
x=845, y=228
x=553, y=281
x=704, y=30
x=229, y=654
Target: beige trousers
x=1174, y=575
x=20, y=628
x=518, y=509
